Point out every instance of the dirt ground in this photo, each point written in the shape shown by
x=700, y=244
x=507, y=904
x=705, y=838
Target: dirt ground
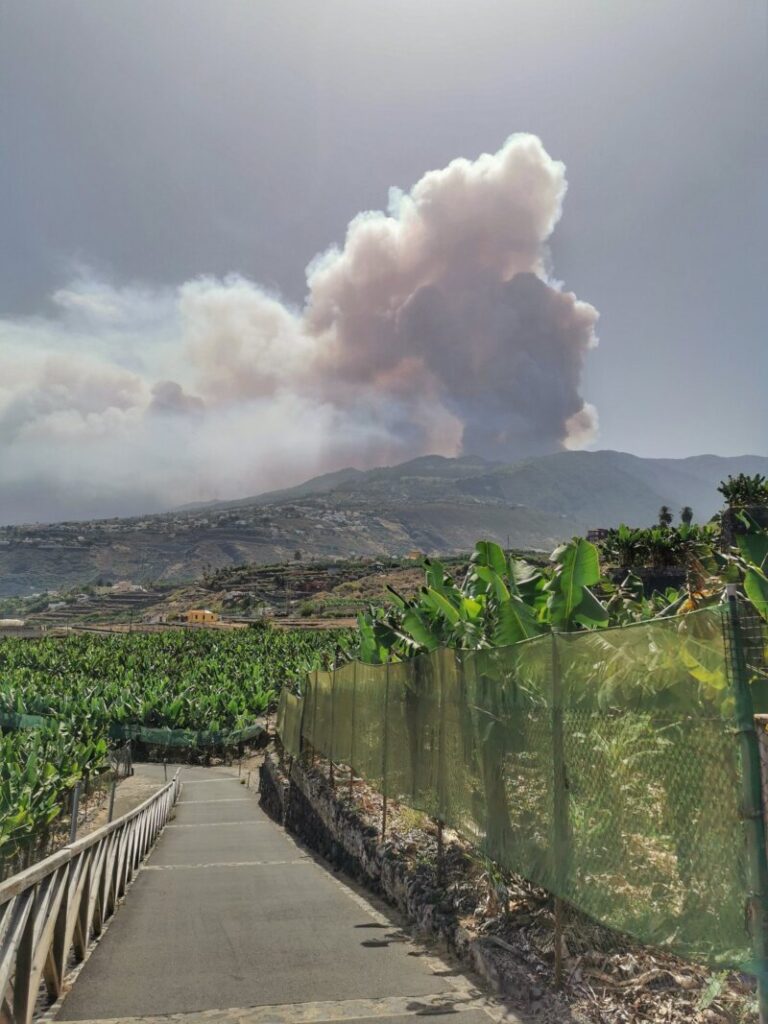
x=129, y=793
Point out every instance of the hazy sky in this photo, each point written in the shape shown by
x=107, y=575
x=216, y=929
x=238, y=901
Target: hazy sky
x=145, y=144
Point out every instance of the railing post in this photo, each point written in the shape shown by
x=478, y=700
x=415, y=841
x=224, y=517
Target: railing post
x=22, y=998
x=752, y=800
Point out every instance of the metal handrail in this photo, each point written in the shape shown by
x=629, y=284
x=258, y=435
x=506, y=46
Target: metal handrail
x=61, y=904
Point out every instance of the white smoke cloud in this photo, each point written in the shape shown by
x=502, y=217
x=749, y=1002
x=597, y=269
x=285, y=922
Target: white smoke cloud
x=434, y=328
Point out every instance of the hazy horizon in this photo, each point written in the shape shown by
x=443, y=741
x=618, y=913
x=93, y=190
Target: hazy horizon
x=140, y=512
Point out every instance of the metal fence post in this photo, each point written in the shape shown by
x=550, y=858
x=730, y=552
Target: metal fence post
x=442, y=766
x=75, y=809
x=384, y=745
x=304, y=695
x=752, y=801
x=440, y=853
x=352, y=735
x=314, y=719
x=333, y=709
x=561, y=844
x=112, y=800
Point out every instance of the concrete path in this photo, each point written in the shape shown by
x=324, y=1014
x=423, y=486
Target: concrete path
x=230, y=921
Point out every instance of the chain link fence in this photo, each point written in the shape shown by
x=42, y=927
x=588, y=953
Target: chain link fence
x=605, y=766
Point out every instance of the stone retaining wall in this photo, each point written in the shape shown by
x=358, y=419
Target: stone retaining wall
x=306, y=805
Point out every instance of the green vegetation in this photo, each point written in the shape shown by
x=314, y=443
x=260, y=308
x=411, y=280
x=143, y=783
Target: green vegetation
x=203, y=679
x=660, y=547
x=37, y=767
x=502, y=600
x=616, y=747
x=743, y=491
x=86, y=686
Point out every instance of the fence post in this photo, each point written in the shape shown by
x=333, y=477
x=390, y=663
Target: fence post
x=561, y=843
x=752, y=800
x=384, y=745
x=352, y=736
x=75, y=808
x=305, y=694
x=314, y=719
x=442, y=766
x=330, y=745
x=440, y=853
x=112, y=800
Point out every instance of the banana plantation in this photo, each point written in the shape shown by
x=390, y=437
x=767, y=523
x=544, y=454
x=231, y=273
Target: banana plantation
x=65, y=701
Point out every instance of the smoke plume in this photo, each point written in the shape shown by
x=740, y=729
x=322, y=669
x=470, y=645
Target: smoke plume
x=434, y=328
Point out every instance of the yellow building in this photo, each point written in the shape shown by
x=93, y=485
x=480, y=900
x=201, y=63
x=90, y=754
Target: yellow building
x=199, y=617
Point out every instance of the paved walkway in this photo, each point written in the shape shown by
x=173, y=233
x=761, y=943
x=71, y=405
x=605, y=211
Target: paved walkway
x=230, y=920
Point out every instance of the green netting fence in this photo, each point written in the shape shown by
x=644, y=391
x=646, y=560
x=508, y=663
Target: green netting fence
x=605, y=766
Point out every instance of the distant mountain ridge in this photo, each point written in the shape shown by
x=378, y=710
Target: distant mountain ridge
x=584, y=486
x=430, y=503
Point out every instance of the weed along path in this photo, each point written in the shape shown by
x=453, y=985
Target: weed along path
x=229, y=920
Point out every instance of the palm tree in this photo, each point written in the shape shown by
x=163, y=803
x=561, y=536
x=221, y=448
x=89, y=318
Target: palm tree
x=665, y=516
x=686, y=515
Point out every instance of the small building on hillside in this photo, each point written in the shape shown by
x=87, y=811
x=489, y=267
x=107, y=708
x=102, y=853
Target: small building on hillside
x=199, y=617
x=12, y=623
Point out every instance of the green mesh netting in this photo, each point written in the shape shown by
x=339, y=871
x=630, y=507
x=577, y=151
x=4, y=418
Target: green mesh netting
x=601, y=765
x=288, y=722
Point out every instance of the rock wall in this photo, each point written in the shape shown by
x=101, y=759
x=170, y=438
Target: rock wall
x=306, y=805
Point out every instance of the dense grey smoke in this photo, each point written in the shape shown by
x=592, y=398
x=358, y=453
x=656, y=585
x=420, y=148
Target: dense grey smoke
x=434, y=328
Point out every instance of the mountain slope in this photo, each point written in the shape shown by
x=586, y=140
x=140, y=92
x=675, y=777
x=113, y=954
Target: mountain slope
x=430, y=503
